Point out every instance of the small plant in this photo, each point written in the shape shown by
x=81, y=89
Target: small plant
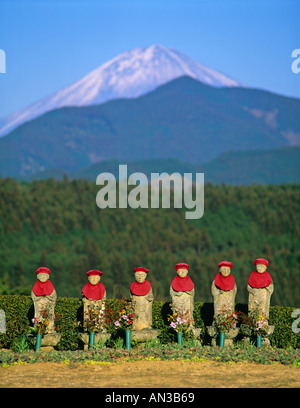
x=118, y=343
x=21, y=344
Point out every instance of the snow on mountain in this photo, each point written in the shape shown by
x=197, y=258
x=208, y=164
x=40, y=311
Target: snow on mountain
x=128, y=75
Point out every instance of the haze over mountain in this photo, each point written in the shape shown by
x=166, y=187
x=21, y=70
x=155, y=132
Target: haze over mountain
x=128, y=75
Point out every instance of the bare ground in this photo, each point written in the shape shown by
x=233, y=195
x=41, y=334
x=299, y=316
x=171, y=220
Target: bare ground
x=150, y=374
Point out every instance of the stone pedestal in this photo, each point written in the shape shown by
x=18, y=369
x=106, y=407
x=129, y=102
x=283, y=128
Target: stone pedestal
x=49, y=340
x=249, y=337
x=229, y=336
x=85, y=337
x=144, y=334
x=196, y=332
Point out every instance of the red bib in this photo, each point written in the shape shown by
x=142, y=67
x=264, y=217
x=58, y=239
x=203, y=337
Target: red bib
x=140, y=289
x=182, y=284
x=94, y=292
x=224, y=282
x=43, y=288
x=259, y=280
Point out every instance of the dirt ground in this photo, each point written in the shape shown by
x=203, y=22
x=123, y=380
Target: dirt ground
x=150, y=374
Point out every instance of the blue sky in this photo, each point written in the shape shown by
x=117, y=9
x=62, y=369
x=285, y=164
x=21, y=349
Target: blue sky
x=50, y=44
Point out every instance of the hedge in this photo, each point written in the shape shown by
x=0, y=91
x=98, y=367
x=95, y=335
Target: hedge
x=19, y=312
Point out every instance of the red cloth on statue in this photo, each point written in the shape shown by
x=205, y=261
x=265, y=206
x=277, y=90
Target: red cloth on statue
x=94, y=292
x=224, y=282
x=43, y=288
x=140, y=289
x=260, y=280
x=182, y=284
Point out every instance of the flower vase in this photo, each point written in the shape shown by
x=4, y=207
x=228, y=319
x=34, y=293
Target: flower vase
x=222, y=339
x=258, y=341
x=179, y=338
x=92, y=340
x=38, y=341
x=128, y=339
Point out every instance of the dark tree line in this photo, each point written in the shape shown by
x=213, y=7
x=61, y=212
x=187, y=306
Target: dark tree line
x=58, y=224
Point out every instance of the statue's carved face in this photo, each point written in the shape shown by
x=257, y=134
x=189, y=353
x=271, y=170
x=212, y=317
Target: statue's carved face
x=94, y=279
x=42, y=277
x=261, y=268
x=225, y=270
x=182, y=272
x=140, y=276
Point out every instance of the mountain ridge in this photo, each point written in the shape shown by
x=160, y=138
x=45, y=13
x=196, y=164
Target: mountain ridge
x=273, y=166
x=184, y=119
x=130, y=74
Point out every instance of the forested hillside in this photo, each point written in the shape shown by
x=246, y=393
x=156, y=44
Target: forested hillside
x=57, y=224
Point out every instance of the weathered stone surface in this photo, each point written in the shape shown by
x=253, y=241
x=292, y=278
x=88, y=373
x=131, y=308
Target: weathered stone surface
x=145, y=334
x=142, y=297
x=48, y=339
x=259, y=299
x=143, y=311
x=2, y=321
x=223, y=299
x=183, y=302
x=42, y=303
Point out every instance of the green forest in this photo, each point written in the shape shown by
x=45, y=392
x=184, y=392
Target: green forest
x=58, y=224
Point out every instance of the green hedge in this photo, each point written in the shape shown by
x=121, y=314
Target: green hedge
x=19, y=312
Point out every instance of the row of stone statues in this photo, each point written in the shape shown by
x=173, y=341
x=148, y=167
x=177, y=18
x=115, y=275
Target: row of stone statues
x=182, y=291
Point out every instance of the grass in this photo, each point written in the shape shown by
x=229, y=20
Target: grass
x=163, y=352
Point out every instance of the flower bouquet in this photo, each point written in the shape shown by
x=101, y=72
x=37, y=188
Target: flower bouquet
x=180, y=322
x=94, y=318
x=226, y=320
x=42, y=321
x=125, y=321
x=261, y=326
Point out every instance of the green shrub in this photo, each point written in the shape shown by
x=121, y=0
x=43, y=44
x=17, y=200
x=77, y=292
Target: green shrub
x=19, y=312
x=283, y=336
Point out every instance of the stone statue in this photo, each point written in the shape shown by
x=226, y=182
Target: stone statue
x=224, y=289
x=142, y=297
x=260, y=288
x=44, y=297
x=182, y=293
x=93, y=294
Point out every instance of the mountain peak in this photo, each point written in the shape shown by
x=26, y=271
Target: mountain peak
x=128, y=75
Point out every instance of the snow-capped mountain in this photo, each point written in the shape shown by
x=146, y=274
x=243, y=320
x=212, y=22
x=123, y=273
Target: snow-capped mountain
x=129, y=75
